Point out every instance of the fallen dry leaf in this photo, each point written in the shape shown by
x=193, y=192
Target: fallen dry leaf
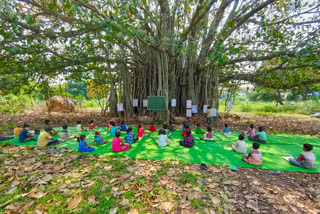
x=75, y=201
x=38, y=194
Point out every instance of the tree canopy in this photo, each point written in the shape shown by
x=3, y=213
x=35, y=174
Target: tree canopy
x=181, y=49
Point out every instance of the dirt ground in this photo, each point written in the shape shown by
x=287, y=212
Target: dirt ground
x=237, y=122
x=42, y=181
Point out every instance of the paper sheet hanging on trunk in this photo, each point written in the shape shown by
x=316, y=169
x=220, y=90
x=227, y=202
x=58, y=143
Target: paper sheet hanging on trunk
x=194, y=109
x=189, y=113
x=173, y=102
x=230, y=105
x=189, y=103
x=213, y=112
x=145, y=103
x=120, y=107
x=135, y=102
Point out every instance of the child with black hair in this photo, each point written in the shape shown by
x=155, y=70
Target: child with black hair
x=152, y=128
x=305, y=159
x=240, y=145
x=65, y=135
x=208, y=135
x=79, y=127
x=163, y=138
x=198, y=129
x=188, y=139
x=98, y=139
x=91, y=125
x=130, y=139
x=83, y=145
x=113, y=129
x=209, y=117
x=48, y=124
x=25, y=135
x=141, y=132
x=254, y=157
x=251, y=132
x=261, y=136
x=166, y=129
x=36, y=134
x=171, y=126
x=117, y=144
x=186, y=128
x=226, y=130
x=123, y=126
x=45, y=138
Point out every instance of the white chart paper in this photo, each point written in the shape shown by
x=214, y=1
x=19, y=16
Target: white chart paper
x=145, y=103
x=189, y=103
x=194, y=109
x=205, y=108
x=189, y=113
x=120, y=107
x=213, y=112
x=173, y=102
x=230, y=105
x=135, y=102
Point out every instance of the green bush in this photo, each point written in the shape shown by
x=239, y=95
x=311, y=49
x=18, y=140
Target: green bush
x=10, y=104
x=91, y=104
x=246, y=108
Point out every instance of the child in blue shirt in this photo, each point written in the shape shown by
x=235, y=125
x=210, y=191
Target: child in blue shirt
x=123, y=126
x=226, y=130
x=130, y=137
x=24, y=135
x=113, y=129
x=98, y=139
x=83, y=145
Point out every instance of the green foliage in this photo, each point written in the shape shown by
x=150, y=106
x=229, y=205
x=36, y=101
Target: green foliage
x=13, y=104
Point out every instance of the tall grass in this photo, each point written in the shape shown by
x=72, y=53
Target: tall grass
x=305, y=107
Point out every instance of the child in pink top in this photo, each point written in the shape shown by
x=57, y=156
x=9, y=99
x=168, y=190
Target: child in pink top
x=254, y=157
x=141, y=131
x=118, y=145
x=208, y=135
x=252, y=132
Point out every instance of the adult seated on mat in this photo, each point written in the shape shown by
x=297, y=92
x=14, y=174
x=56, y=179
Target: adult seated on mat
x=117, y=144
x=17, y=129
x=24, y=135
x=261, y=136
x=254, y=157
x=240, y=145
x=188, y=139
x=209, y=135
x=48, y=124
x=306, y=159
x=45, y=138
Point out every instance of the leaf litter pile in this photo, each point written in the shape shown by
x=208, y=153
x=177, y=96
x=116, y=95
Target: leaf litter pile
x=61, y=181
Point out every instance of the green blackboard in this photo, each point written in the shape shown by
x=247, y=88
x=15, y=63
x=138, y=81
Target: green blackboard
x=157, y=103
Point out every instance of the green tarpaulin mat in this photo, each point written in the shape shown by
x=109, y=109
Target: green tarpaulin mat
x=214, y=152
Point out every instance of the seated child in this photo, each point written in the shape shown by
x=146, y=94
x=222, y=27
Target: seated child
x=130, y=139
x=65, y=135
x=36, y=134
x=48, y=124
x=98, y=139
x=254, y=157
x=152, y=128
x=188, y=139
x=226, y=130
x=252, y=132
x=113, y=129
x=123, y=126
x=240, y=145
x=24, y=135
x=141, y=132
x=163, y=138
x=118, y=145
x=45, y=138
x=166, y=129
x=91, y=125
x=261, y=136
x=17, y=129
x=186, y=128
x=79, y=127
x=109, y=127
x=305, y=159
x=209, y=134
x=83, y=145
x=171, y=126
x=198, y=129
